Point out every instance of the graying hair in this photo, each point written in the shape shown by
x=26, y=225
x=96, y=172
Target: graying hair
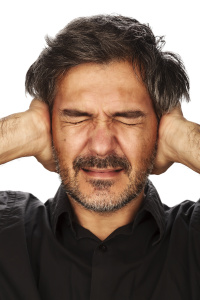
x=101, y=39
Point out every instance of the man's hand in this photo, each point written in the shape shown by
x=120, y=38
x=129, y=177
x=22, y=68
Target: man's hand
x=178, y=141
x=40, y=112
x=27, y=134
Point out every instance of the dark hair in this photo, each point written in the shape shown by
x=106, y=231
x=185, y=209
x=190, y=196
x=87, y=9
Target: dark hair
x=101, y=39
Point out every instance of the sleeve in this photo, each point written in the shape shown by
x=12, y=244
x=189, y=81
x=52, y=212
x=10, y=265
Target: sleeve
x=16, y=275
x=7, y=201
x=15, y=206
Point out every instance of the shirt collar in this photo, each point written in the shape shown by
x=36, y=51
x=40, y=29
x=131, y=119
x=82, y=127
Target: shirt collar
x=154, y=206
x=60, y=204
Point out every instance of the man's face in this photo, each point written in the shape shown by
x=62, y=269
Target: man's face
x=104, y=133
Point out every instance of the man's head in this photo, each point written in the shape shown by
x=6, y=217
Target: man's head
x=104, y=131
x=107, y=82
x=102, y=39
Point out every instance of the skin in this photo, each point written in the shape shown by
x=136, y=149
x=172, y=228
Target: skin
x=101, y=110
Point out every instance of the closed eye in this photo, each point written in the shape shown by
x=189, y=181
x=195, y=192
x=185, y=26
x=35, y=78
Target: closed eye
x=74, y=116
x=128, y=122
x=75, y=122
x=130, y=117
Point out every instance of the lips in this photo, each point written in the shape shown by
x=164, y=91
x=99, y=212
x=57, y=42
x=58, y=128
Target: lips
x=101, y=170
x=102, y=173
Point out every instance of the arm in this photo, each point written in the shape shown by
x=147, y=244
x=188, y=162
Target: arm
x=178, y=141
x=27, y=134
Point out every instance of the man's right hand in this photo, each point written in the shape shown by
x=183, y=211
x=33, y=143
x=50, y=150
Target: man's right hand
x=40, y=112
x=28, y=134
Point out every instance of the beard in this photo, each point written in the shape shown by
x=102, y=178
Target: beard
x=104, y=198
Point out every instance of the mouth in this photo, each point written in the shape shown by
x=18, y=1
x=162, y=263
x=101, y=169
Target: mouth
x=102, y=173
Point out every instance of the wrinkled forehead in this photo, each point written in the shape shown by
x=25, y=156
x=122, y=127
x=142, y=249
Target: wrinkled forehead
x=112, y=84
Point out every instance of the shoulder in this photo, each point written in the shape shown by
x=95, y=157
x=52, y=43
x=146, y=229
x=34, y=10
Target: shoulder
x=16, y=206
x=187, y=213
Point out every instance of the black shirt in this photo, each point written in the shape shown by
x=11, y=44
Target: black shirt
x=44, y=254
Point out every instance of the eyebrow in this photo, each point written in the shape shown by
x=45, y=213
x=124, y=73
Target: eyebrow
x=74, y=113
x=129, y=114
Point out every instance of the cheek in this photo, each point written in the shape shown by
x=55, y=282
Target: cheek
x=138, y=145
x=132, y=141
x=68, y=143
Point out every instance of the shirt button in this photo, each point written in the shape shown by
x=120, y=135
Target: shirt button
x=103, y=248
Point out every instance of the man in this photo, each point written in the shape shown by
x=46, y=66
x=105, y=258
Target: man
x=109, y=104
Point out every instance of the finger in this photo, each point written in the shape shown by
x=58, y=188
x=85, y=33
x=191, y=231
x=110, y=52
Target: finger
x=37, y=103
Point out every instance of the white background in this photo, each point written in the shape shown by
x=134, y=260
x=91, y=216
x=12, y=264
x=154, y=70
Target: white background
x=23, y=25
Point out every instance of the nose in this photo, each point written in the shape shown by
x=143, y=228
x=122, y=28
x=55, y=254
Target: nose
x=102, y=140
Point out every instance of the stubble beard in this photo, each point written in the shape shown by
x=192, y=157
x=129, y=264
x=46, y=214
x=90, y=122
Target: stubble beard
x=102, y=199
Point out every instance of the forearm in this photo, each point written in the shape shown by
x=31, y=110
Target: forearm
x=18, y=138
x=28, y=134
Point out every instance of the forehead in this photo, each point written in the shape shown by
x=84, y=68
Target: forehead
x=115, y=83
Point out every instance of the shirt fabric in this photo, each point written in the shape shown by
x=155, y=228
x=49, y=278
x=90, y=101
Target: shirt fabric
x=44, y=254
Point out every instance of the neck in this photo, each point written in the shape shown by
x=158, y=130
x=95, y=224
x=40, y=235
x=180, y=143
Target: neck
x=103, y=224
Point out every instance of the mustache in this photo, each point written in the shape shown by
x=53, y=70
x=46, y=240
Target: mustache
x=111, y=161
